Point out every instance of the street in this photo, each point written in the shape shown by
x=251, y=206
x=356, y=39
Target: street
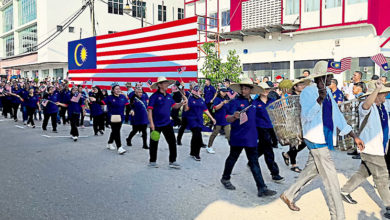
x=44, y=175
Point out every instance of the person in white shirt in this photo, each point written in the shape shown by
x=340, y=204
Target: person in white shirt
x=374, y=126
x=320, y=117
x=348, y=90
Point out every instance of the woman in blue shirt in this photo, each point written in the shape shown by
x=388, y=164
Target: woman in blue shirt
x=265, y=132
x=116, y=103
x=195, y=108
x=32, y=104
x=139, y=117
x=221, y=108
x=16, y=100
x=243, y=135
x=84, y=95
x=50, y=111
x=75, y=106
x=95, y=107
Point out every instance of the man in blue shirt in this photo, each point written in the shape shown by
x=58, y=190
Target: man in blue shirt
x=209, y=92
x=337, y=94
x=243, y=136
x=320, y=117
x=159, y=111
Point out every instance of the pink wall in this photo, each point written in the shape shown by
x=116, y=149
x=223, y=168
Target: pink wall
x=378, y=15
x=236, y=15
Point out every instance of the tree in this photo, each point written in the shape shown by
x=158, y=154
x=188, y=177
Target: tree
x=217, y=70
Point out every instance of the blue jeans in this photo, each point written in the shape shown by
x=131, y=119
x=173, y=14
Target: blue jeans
x=251, y=154
x=24, y=112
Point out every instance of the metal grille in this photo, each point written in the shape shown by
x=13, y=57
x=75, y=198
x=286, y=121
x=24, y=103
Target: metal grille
x=261, y=13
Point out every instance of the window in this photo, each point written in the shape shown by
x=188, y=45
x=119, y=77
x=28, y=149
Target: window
x=138, y=8
x=180, y=13
x=59, y=27
x=213, y=20
x=312, y=5
x=27, y=11
x=226, y=18
x=58, y=73
x=45, y=73
x=332, y=3
x=71, y=29
x=115, y=7
x=8, y=18
x=162, y=13
x=111, y=32
x=9, y=45
x=202, y=23
x=28, y=39
x=356, y=1
x=292, y=7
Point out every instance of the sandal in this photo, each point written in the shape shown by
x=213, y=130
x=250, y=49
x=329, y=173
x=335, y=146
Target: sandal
x=296, y=169
x=286, y=159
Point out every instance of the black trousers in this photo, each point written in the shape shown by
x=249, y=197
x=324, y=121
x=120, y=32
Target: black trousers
x=182, y=128
x=115, y=134
x=98, y=123
x=106, y=119
x=53, y=118
x=74, y=118
x=127, y=113
x=169, y=135
x=63, y=114
x=81, y=120
x=196, y=141
x=293, y=152
x=139, y=128
x=265, y=147
x=30, y=115
x=15, y=107
x=253, y=162
x=175, y=117
x=7, y=108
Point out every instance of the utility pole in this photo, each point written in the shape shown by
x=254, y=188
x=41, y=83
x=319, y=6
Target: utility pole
x=92, y=9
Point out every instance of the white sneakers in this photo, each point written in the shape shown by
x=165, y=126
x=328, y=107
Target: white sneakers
x=121, y=150
x=74, y=138
x=210, y=150
x=111, y=147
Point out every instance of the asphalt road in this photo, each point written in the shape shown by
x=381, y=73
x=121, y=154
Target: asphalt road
x=52, y=177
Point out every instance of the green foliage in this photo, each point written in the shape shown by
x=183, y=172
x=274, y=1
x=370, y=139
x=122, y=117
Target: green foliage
x=217, y=70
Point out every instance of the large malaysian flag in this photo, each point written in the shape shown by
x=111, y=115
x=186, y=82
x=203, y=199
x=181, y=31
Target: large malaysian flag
x=136, y=55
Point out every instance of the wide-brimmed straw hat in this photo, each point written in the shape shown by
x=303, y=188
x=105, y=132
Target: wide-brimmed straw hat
x=305, y=81
x=246, y=82
x=161, y=79
x=320, y=69
x=371, y=88
x=264, y=85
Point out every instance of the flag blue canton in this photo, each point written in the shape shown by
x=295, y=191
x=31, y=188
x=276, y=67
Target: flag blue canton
x=385, y=66
x=82, y=54
x=334, y=65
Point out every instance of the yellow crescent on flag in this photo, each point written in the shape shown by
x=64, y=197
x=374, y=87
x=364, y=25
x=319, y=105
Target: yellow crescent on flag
x=75, y=55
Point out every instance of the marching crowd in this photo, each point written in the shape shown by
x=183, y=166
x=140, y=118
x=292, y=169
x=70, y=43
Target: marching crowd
x=235, y=109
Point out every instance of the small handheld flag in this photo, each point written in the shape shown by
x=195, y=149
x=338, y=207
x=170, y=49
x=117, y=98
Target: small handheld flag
x=243, y=118
x=76, y=97
x=181, y=70
x=380, y=59
x=45, y=102
x=339, y=67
